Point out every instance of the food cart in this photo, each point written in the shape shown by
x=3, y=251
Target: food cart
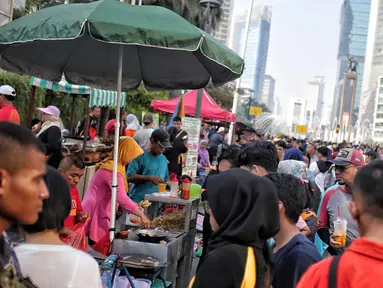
x=174, y=252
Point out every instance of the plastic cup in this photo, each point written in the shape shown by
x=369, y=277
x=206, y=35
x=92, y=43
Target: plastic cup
x=161, y=187
x=340, y=231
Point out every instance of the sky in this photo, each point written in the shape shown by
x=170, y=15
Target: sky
x=303, y=43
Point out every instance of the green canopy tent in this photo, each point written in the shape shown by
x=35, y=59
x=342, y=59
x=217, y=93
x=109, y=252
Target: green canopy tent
x=96, y=97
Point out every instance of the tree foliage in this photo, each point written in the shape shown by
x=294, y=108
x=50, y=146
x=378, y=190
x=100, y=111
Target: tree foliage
x=21, y=84
x=189, y=10
x=139, y=100
x=224, y=96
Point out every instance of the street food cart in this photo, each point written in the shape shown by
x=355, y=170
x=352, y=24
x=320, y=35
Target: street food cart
x=175, y=251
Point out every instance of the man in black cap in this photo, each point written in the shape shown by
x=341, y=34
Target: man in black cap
x=372, y=155
x=151, y=168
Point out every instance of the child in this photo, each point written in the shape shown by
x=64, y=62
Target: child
x=72, y=168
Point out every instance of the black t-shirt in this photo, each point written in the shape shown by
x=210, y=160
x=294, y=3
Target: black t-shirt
x=51, y=139
x=92, y=123
x=173, y=154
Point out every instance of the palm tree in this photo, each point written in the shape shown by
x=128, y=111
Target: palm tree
x=189, y=10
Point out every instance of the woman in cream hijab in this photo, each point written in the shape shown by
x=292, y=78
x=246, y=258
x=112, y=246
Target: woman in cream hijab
x=50, y=134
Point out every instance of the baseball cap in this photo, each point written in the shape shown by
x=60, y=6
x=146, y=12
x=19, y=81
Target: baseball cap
x=50, y=110
x=348, y=156
x=148, y=118
x=7, y=90
x=221, y=129
x=162, y=138
x=373, y=154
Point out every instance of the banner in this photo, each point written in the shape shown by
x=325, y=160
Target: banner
x=257, y=111
x=193, y=127
x=301, y=129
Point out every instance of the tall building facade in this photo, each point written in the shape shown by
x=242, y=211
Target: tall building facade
x=373, y=68
x=256, y=50
x=268, y=97
x=296, y=111
x=222, y=31
x=314, y=99
x=6, y=8
x=354, y=24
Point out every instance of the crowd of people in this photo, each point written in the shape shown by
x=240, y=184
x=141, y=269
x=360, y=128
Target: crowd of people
x=271, y=204
x=292, y=220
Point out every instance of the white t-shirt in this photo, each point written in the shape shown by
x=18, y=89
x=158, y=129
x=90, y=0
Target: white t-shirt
x=58, y=266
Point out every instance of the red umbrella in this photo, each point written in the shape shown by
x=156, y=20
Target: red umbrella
x=209, y=108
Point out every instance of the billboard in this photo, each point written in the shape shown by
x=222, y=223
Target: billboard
x=6, y=7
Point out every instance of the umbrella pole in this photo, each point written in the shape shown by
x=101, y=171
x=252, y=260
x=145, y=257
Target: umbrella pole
x=86, y=130
x=115, y=150
x=238, y=82
x=31, y=106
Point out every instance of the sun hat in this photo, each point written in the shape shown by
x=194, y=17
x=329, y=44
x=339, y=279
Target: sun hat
x=50, y=110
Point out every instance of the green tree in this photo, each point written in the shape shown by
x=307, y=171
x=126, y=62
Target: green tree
x=189, y=10
x=21, y=85
x=224, y=96
x=139, y=100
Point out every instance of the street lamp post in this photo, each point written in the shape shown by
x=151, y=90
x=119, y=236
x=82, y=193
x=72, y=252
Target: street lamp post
x=209, y=6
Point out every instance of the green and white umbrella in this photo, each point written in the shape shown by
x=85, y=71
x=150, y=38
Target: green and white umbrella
x=82, y=42
x=114, y=45
x=98, y=97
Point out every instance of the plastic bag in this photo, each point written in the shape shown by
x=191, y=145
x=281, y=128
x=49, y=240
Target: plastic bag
x=103, y=246
x=77, y=239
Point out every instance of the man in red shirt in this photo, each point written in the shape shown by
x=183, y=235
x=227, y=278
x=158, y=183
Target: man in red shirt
x=361, y=264
x=8, y=112
x=72, y=168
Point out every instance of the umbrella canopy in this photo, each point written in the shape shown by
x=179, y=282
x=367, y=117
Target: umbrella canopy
x=242, y=115
x=80, y=41
x=98, y=97
x=209, y=108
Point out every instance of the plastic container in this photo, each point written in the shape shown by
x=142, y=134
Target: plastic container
x=340, y=231
x=186, y=189
x=161, y=187
x=173, y=186
x=142, y=283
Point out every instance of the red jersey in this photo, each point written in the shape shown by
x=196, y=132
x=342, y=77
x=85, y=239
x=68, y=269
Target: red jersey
x=359, y=266
x=76, y=208
x=9, y=113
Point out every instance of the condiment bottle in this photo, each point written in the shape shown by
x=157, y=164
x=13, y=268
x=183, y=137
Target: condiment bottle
x=173, y=186
x=186, y=189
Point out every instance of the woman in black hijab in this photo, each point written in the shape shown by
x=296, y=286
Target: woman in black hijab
x=243, y=214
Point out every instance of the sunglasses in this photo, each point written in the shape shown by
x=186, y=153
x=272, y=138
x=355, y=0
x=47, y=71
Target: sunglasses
x=343, y=168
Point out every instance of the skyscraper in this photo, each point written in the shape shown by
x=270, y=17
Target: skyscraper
x=373, y=67
x=314, y=99
x=354, y=22
x=222, y=31
x=6, y=7
x=256, y=50
x=268, y=92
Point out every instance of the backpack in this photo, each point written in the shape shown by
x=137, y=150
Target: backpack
x=329, y=179
x=9, y=279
